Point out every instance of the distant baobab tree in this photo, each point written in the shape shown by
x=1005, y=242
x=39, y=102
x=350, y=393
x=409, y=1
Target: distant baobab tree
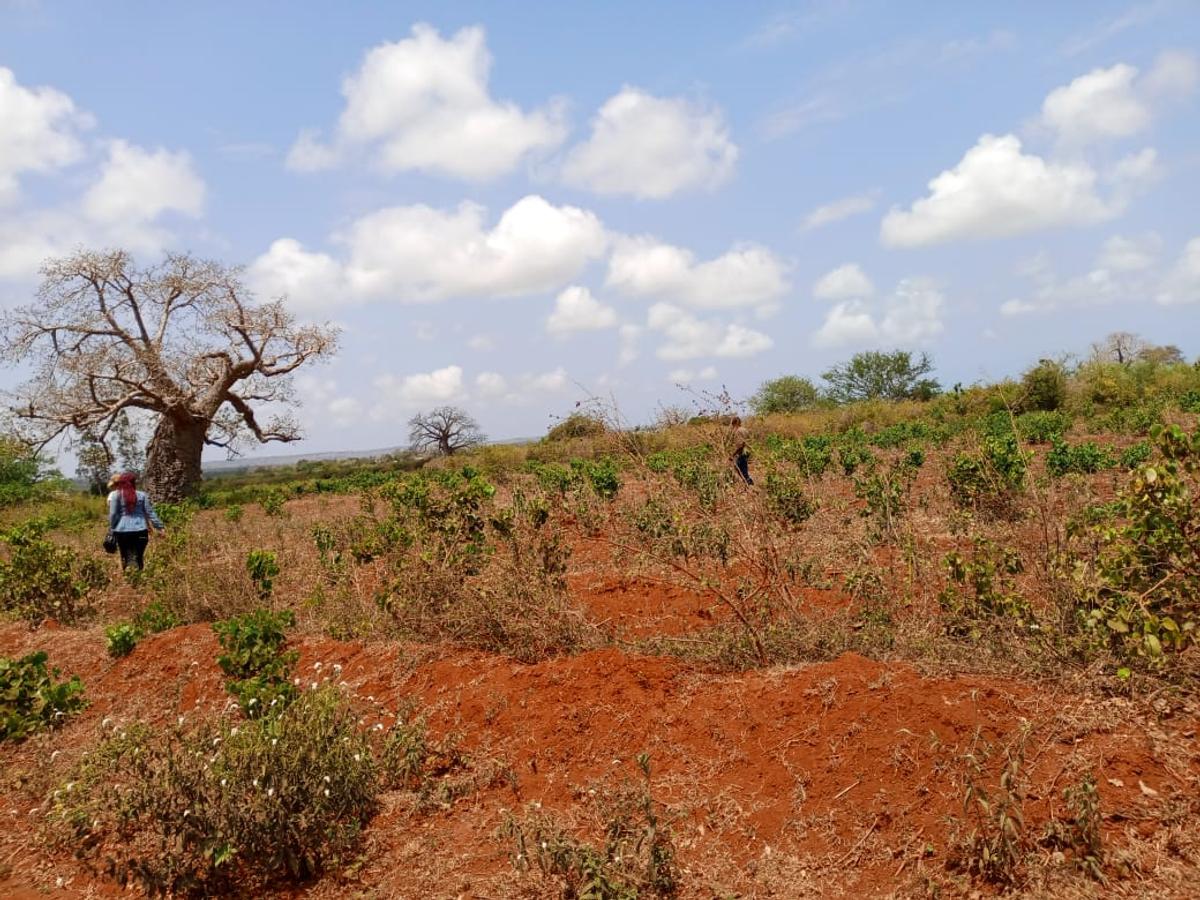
x=444, y=430
x=182, y=340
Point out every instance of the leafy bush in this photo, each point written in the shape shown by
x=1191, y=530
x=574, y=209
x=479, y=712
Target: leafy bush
x=263, y=567
x=1044, y=387
x=853, y=454
x=1141, y=586
x=40, y=579
x=886, y=490
x=979, y=591
x=273, y=501
x=234, y=513
x=121, y=639
x=788, y=497
x=23, y=474
x=223, y=808
x=602, y=475
x=1082, y=458
x=1134, y=455
x=1042, y=427
x=254, y=660
x=989, y=480
x=576, y=425
x=1190, y=401
x=788, y=394
x=31, y=699
x=812, y=454
x=154, y=617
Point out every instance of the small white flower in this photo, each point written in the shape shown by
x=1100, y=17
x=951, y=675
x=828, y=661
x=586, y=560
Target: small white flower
x=274, y=741
x=317, y=666
x=186, y=813
x=296, y=681
x=253, y=700
x=327, y=779
x=358, y=757
x=337, y=668
x=270, y=792
x=326, y=792
x=255, y=782
x=224, y=782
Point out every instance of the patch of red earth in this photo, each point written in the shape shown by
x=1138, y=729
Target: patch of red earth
x=852, y=765
x=636, y=607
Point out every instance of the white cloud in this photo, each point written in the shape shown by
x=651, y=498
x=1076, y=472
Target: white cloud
x=418, y=254
x=481, y=342
x=687, y=376
x=520, y=389
x=1182, y=284
x=840, y=209
x=1115, y=103
x=423, y=104
x=324, y=404
x=630, y=335
x=846, y=282
x=1100, y=104
x=491, y=384
x=40, y=131
x=409, y=392
x=651, y=147
x=747, y=276
x=998, y=191
x=847, y=324
x=139, y=185
x=421, y=254
x=688, y=337
x=575, y=309
x=911, y=315
x=310, y=283
x=1122, y=254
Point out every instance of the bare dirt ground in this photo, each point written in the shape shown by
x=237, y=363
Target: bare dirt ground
x=834, y=779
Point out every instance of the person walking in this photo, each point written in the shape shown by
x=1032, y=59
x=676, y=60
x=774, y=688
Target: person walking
x=740, y=456
x=130, y=515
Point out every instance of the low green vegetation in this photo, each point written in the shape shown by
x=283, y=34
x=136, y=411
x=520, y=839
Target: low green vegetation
x=32, y=698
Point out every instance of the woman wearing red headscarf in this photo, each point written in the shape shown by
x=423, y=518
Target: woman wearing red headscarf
x=130, y=514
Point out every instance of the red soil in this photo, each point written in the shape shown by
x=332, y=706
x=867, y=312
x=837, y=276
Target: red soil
x=847, y=771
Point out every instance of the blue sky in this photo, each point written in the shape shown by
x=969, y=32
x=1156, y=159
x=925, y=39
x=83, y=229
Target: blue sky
x=511, y=207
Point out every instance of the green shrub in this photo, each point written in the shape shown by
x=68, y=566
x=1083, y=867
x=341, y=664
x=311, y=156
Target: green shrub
x=154, y=617
x=853, y=454
x=576, y=425
x=886, y=491
x=979, y=591
x=989, y=480
x=258, y=668
x=42, y=580
x=121, y=639
x=263, y=567
x=1141, y=587
x=1044, y=387
x=234, y=513
x=788, y=497
x=223, y=809
x=1042, y=427
x=272, y=502
x=1190, y=401
x=31, y=699
x=1134, y=455
x=602, y=475
x=1082, y=458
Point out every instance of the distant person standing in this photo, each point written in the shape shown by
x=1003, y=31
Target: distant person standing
x=740, y=456
x=130, y=515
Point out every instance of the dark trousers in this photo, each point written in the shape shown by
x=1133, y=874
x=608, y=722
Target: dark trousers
x=132, y=545
x=742, y=461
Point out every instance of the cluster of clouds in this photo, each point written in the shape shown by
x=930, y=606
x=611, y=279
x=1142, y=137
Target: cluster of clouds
x=424, y=104
x=1000, y=189
x=129, y=192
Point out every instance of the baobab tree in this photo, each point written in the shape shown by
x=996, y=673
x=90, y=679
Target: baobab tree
x=183, y=340
x=444, y=430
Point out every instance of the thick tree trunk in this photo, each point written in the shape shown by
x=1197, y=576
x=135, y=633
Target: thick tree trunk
x=173, y=458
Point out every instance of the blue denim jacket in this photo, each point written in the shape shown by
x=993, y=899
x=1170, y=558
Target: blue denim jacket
x=120, y=520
